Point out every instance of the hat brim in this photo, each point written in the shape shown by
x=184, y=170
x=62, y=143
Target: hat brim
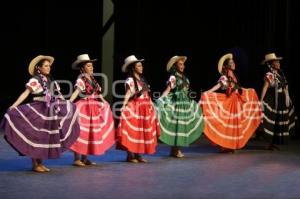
x=77, y=62
x=266, y=60
x=175, y=59
x=221, y=61
x=125, y=66
x=36, y=60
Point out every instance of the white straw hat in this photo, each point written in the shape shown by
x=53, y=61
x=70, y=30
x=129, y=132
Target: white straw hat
x=36, y=60
x=80, y=59
x=174, y=59
x=269, y=57
x=129, y=60
x=222, y=59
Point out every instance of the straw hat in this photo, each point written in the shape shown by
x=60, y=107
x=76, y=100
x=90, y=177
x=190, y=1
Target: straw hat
x=129, y=60
x=222, y=59
x=36, y=60
x=174, y=59
x=270, y=57
x=80, y=59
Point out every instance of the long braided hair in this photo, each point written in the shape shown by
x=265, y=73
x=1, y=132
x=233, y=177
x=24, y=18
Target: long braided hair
x=226, y=70
x=145, y=85
x=283, y=81
x=44, y=80
x=184, y=79
x=231, y=78
x=89, y=89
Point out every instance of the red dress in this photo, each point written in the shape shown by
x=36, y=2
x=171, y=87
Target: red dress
x=138, y=128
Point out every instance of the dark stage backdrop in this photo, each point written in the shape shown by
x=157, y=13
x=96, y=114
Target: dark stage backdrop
x=63, y=29
x=154, y=30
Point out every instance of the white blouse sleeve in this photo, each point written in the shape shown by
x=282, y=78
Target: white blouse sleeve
x=80, y=84
x=172, y=81
x=34, y=85
x=223, y=81
x=130, y=84
x=269, y=77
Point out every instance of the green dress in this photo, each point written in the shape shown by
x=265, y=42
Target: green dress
x=181, y=118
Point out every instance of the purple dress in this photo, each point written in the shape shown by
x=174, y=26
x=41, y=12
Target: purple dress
x=43, y=128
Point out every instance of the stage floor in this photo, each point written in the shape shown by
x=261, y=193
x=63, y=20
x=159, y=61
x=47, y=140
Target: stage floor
x=203, y=173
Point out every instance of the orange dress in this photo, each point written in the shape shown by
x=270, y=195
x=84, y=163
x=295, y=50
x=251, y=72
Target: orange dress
x=231, y=118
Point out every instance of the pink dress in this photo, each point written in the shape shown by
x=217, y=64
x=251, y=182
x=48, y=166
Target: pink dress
x=97, y=133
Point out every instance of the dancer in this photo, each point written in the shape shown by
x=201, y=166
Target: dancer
x=180, y=117
x=46, y=127
x=138, y=127
x=97, y=132
x=232, y=117
x=279, y=112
